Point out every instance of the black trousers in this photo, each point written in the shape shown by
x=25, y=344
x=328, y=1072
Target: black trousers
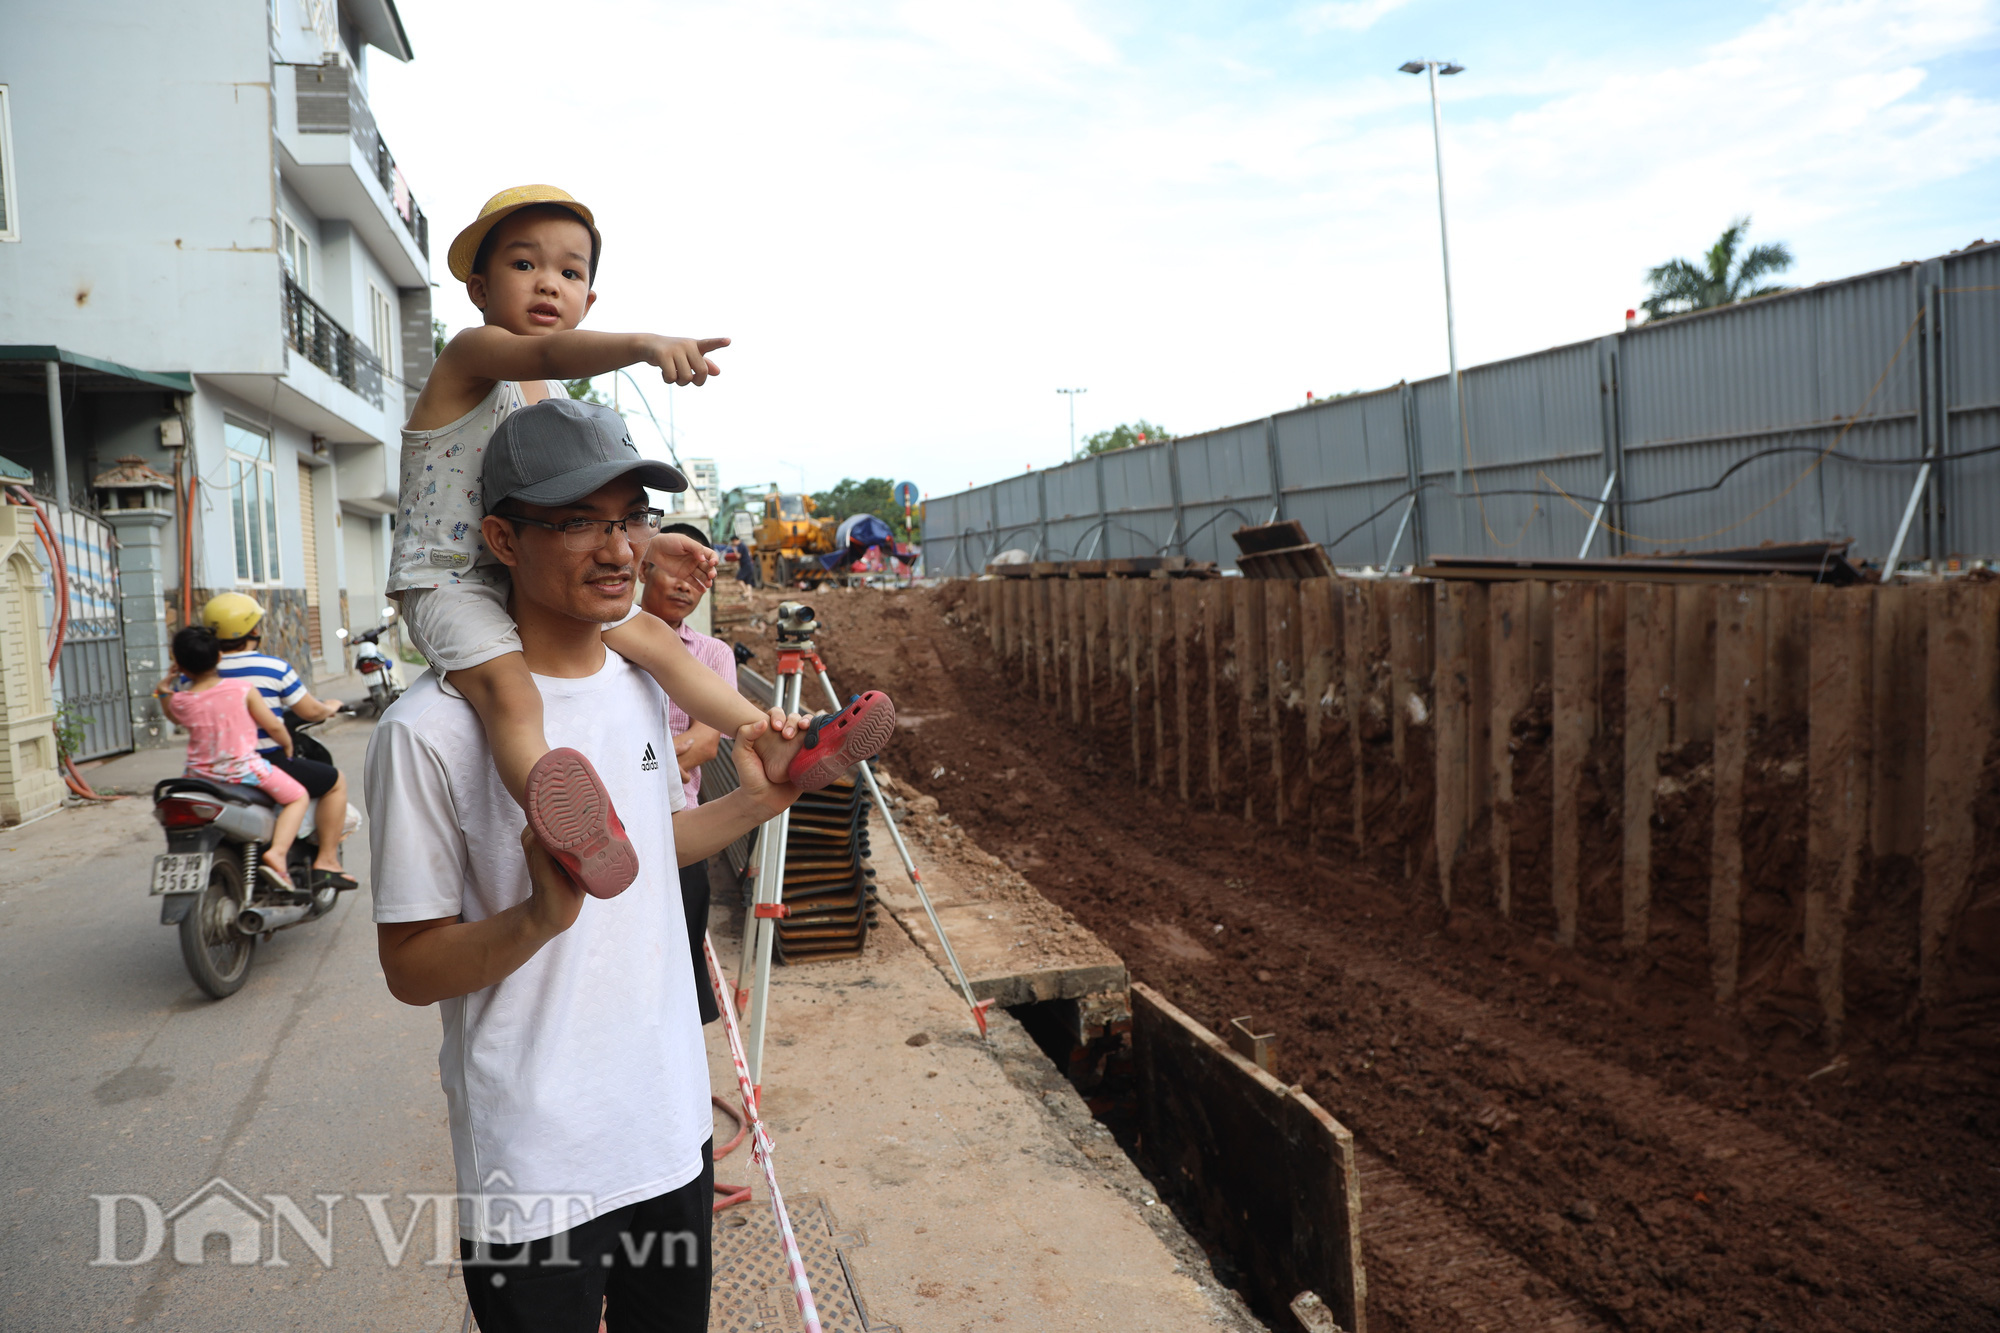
x=694, y=897
x=315, y=777
x=645, y=1267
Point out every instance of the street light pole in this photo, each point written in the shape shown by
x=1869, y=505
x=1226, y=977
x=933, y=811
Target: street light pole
x=1071, y=395
x=1459, y=444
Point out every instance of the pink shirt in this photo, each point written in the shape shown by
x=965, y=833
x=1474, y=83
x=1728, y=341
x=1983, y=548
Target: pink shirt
x=222, y=736
x=718, y=657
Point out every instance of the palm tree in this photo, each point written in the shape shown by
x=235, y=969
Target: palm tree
x=1720, y=279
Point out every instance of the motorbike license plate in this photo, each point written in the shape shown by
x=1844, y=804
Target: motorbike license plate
x=181, y=872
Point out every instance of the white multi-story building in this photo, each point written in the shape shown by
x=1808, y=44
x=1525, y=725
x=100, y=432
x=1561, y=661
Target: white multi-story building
x=702, y=495
x=211, y=264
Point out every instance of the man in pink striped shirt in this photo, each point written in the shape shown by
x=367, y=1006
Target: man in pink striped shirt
x=673, y=600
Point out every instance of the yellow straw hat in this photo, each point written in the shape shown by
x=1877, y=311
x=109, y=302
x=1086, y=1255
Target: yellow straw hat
x=465, y=246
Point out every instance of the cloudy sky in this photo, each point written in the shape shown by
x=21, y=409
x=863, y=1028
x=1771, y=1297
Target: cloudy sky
x=919, y=220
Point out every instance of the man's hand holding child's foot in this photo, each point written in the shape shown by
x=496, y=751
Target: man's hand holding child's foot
x=832, y=744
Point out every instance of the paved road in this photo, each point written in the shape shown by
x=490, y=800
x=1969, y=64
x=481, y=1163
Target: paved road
x=118, y=1076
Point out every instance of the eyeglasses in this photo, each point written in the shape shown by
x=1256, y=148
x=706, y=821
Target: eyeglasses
x=590, y=534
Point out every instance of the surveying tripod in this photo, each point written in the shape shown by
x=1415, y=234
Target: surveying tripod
x=796, y=651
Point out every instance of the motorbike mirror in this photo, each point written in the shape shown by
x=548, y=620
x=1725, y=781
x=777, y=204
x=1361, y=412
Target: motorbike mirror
x=388, y=613
x=340, y=634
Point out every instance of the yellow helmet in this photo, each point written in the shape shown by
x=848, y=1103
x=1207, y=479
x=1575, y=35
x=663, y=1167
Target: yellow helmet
x=232, y=615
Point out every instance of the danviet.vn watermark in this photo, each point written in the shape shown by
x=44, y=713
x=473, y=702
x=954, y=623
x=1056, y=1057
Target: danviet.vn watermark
x=220, y=1223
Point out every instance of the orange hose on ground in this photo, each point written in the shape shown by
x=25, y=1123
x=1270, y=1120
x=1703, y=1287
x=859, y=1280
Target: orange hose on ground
x=731, y=1194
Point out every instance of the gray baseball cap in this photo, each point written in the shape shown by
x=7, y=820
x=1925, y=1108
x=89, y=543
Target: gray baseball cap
x=559, y=450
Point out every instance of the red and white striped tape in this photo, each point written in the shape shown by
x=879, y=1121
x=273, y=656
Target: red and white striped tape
x=760, y=1142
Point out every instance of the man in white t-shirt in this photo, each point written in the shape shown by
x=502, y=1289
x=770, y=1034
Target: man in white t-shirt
x=573, y=1065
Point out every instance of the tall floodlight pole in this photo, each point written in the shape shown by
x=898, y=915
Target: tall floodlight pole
x=1071, y=395
x=1435, y=68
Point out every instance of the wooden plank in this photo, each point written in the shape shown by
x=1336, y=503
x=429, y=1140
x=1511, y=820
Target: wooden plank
x=1052, y=591
x=1073, y=591
x=1410, y=629
x=1652, y=613
x=1319, y=654
x=1004, y=595
x=1357, y=612
x=1139, y=646
x=1479, y=706
x=1693, y=663
x=1115, y=636
x=1251, y=688
x=1739, y=665
x=1837, y=770
x=1215, y=629
x=1959, y=715
x=1454, y=707
x=1284, y=695
x=1269, y=1175
x=1787, y=652
x=1897, y=744
x=1187, y=636
x=1058, y=593
x=1092, y=595
x=1573, y=609
x=1160, y=602
x=1038, y=627
x=1511, y=654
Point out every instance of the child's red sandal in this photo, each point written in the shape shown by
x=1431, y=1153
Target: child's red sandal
x=836, y=742
x=571, y=813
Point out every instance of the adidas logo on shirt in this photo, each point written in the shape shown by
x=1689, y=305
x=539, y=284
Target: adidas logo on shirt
x=647, y=761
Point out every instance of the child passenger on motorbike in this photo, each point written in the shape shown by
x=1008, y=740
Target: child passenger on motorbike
x=222, y=718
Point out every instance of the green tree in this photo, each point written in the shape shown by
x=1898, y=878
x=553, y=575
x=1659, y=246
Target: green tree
x=1723, y=277
x=1126, y=436
x=584, y=392
x=877, y=496
x=439, y=337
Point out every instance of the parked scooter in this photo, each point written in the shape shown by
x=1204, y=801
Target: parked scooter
x=377, y=667
x=207, y=879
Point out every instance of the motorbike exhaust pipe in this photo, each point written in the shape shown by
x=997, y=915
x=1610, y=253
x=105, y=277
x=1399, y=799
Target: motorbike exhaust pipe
x=257, y=920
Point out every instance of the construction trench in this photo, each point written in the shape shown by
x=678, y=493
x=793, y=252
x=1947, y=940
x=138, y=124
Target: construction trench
x=1645, y=936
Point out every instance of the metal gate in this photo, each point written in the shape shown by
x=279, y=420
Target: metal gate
x=93, y=655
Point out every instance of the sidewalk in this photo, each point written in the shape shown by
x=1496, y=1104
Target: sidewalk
x=979, y=1184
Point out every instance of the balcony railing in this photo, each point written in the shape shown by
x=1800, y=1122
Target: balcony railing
x=330, y=102
x=316, y=336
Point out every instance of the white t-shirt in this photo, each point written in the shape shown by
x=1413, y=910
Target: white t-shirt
x=583, y=1074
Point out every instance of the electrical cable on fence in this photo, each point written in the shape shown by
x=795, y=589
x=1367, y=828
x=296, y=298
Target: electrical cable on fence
x=1811, y=468
x=1555, y=490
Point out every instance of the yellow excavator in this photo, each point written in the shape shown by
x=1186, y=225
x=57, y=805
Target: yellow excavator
x=790, y=540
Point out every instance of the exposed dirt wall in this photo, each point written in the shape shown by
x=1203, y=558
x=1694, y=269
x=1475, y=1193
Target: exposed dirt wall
x=1651, y=1157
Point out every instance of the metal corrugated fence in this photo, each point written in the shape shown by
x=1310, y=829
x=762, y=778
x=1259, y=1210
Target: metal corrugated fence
x=1792, y=417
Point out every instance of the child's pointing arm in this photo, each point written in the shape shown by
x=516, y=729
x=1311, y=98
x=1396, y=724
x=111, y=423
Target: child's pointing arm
x=490, y=352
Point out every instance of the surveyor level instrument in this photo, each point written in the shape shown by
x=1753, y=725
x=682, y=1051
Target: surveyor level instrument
x=797, y=653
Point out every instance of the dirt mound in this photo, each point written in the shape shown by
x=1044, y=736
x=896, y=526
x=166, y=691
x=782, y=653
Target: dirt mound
x=1662, y=1163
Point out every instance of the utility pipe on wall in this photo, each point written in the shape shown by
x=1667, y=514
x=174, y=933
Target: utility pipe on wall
x=58, y=450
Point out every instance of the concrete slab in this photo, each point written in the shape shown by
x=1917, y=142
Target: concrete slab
x=1016, y=946
x=986, y=1192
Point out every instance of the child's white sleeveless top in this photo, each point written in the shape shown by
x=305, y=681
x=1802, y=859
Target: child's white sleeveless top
x=438, y=503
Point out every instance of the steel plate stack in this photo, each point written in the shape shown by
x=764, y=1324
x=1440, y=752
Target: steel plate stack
x=829, y=889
